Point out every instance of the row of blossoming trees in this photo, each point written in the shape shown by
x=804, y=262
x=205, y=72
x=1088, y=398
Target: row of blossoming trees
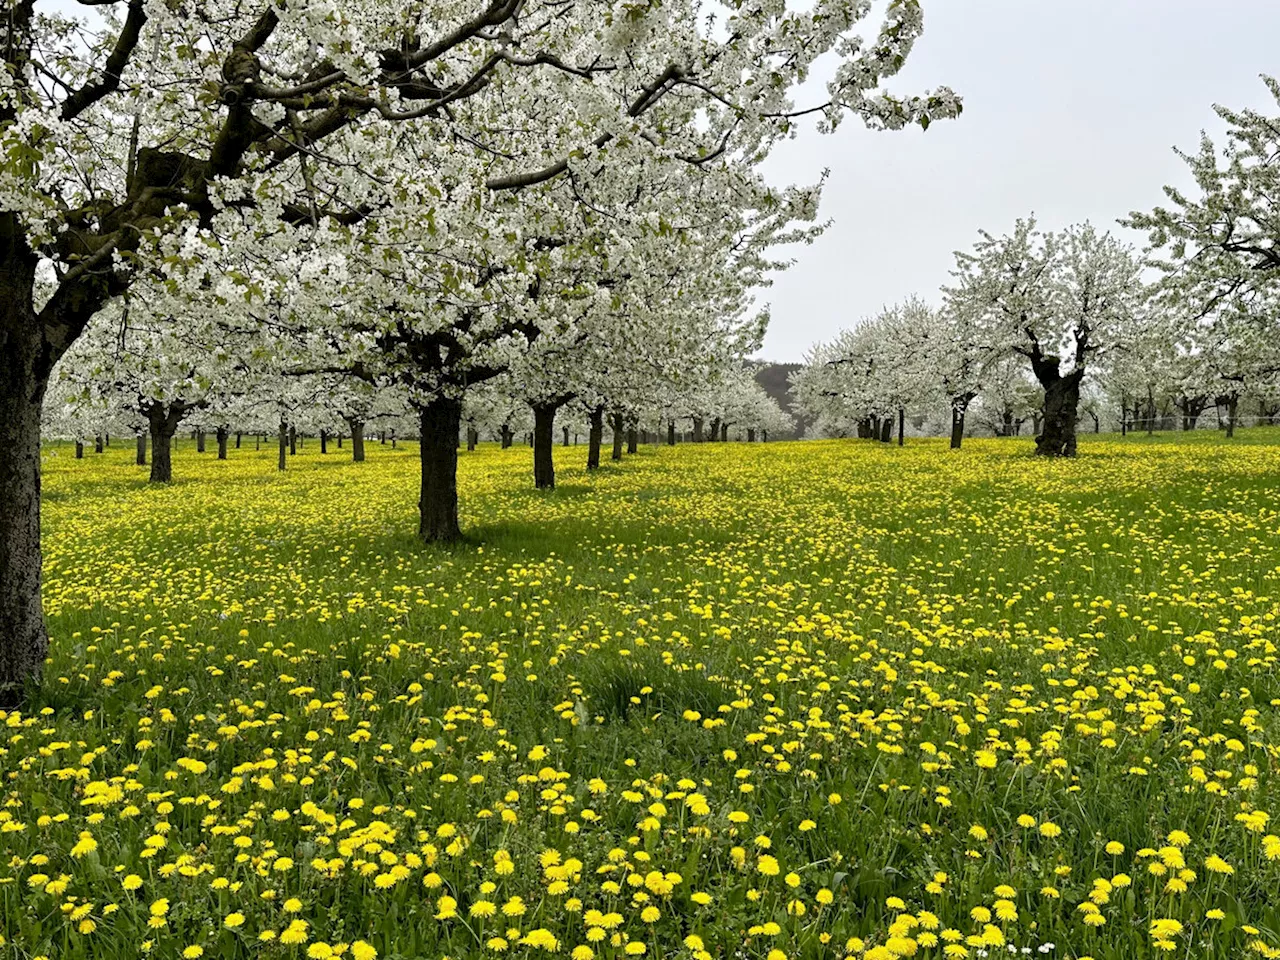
x=1056, y=327
x=420, y=195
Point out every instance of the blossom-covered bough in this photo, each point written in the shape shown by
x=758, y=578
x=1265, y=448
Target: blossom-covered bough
x=153, y=137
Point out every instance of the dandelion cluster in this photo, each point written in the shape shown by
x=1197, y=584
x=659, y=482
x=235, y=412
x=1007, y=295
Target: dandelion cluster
x=861, y=702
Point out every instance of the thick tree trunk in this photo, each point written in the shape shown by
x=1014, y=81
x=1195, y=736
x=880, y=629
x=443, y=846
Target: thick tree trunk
x=886, y=430
x=1233, y=402
x=751, y=434
x=671, y=433
x=506, y=436
x=724, y=433
x=713, y=435
x=23, y=640
x=615, y=423
x=595, y=436
x=439, y=422
x=161, y=452
x=357, y=440
x=1057, y=435
x=697, y=429
x=544, y=470
x=97, y=444
x=142, y=448
x=79, y=449
x=632, y=440
x=324, y=441
x=200, y=441
x=223, y=435
x=957, y=426
x=282, y=445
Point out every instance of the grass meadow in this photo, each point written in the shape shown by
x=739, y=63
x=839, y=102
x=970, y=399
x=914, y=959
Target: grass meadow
x=818, y=700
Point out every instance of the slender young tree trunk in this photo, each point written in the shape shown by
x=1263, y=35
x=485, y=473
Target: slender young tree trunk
x=393, y=441
x=544, y=470
x=324, y=441
x=565, y=431
x=257, y=441
x=24, y=642
x=106, y=440
x=671, y=433
x=595, y=436
x=200, y=441
x=282, y=446
x=293, y=440
x=615, y=423
x=339, y=439
x=223, y=434
x=237, y=439
x=632, y=440
x=902, y=419
x=439, y=422
x=357, y=440
x=142, y=448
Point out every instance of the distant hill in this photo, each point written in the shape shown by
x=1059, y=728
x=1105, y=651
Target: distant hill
x=773, y=378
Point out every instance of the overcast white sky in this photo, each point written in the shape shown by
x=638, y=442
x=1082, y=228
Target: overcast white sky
x=1071, y=108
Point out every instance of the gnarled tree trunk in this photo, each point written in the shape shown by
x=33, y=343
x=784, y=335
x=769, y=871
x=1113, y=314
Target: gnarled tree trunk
x=1057, y=435
x=439, y=422
x=163, y=420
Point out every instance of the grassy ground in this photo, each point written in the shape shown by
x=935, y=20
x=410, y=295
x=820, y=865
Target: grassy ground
x=788, y=700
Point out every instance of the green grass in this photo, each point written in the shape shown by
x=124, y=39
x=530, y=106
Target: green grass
x=825, y=637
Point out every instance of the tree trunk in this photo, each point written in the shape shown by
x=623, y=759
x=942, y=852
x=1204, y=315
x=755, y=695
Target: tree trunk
x=439, y=422
x=293, y=440
x=106, y=437
x=751, y=434
x=472, y=437
x=615, y=423
x=237, y=439
x=697, y=429
x=283, y=446
x=79, y=449
x=393, y=441
x=1233, y=402
x=223, y=434
x=257, y=441
x=24, y=642
x=713, y=435
x=565, y=431
x=671, y=433
x=1097, y=423
x=200, y=441
x=324, y=441
x=632, y=440
x=957, y=426
x=97, y=443
x=595, y=435
x=902, y=419
x=507, y=436
x=142, y=448
x=886, y=430
x=544, y=470
x=357, y=440
x=1057, y=436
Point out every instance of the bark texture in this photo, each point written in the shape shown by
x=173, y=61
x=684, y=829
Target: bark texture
x=595, y=436
x=544, y=470
x=439, y=422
